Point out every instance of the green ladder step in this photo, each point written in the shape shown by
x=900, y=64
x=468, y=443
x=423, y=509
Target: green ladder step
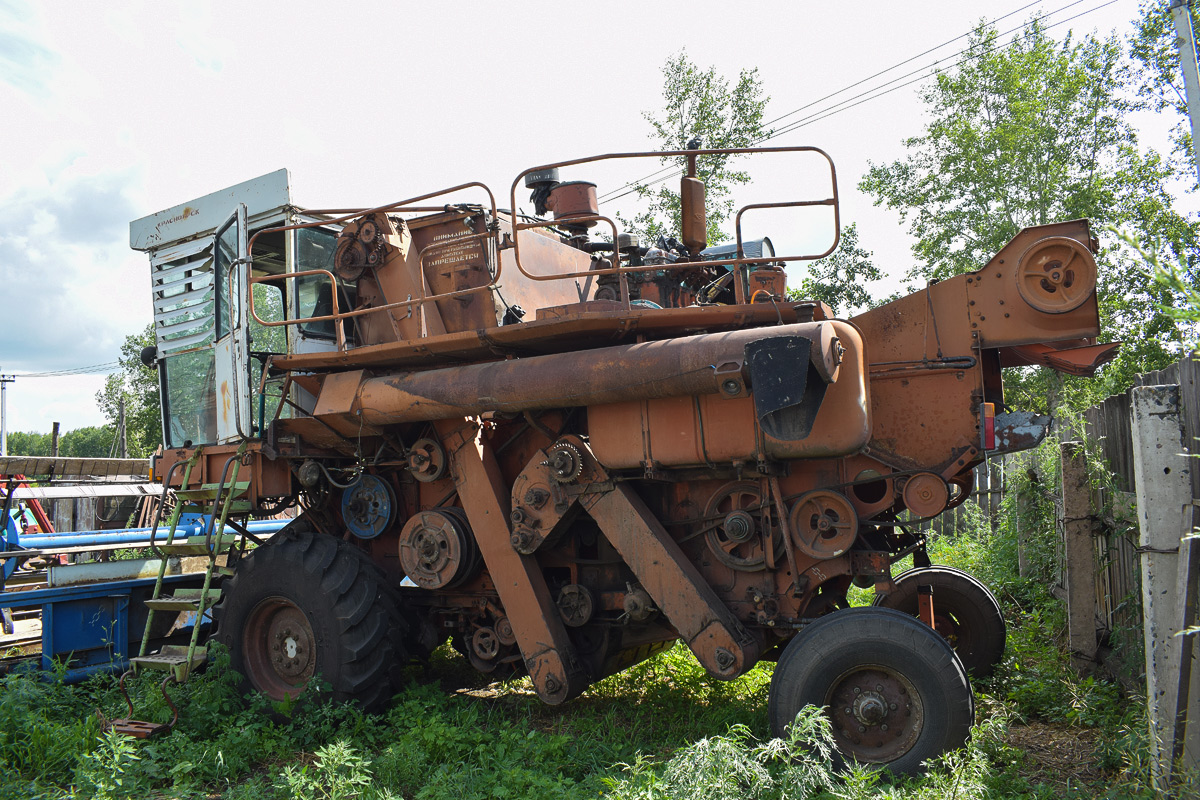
x=184, y=600
x=195, y=546
x=236, y=507
x=172, y=658
x=208, y=491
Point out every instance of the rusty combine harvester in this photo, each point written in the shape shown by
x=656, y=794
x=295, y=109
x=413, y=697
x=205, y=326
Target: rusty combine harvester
x=564, y=455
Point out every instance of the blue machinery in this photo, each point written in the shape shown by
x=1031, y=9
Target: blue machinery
x=89, y=624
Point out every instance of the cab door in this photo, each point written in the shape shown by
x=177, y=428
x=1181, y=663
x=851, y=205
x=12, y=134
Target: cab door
x=232, y=342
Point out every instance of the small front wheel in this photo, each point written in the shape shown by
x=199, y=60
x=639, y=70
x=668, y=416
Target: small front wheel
x=894, y=691
x=965, y=613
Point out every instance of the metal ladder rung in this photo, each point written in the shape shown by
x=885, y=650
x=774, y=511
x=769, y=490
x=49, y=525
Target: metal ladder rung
x=209, y=491
x=172, y=658
x=139, y=729
x=179, y=603
x=235, y=507
x=195, y=546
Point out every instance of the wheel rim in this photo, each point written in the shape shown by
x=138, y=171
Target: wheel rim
x=876, y=712
x=279, y=648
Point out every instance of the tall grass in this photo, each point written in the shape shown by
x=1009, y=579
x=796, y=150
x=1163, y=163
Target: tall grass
x=662, y=729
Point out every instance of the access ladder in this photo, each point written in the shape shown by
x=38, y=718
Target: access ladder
x=219, y=501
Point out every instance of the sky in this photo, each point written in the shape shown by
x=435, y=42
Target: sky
x=112, y=111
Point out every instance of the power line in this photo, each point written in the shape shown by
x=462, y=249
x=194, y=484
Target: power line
x=92, y=369
x=834, y=109
x=870, y=94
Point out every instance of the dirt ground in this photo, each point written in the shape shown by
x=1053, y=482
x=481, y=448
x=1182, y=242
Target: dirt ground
x=1060, y=756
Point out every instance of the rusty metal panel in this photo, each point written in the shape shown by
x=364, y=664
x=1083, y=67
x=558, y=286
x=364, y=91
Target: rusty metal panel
x=541, y=635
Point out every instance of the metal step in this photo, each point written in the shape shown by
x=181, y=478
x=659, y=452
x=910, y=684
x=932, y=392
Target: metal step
x=172, y=658
x=236, y=507
x=179, y=603
x=185, y=600
x=208, y=491
x=138, y=729
x=195, y=546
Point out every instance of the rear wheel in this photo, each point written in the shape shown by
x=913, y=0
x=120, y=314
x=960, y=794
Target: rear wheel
x=306, y=605
x=965, y=613
x=893, y=690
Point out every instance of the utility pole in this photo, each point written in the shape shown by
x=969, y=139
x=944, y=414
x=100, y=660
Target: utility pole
x=1185, y=41
x=5, y=380
x=54, y=441
x=122, y=442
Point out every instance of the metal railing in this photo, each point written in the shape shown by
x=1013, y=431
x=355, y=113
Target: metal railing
x=739, y=264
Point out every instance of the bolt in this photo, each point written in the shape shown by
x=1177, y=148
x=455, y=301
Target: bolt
x=849, y=711
x=278, y=636
x=517, y=516
x=892, y=706
x=878, y=687
x=725, y=659
x=862, y=729
x=883, y=727
x=731, y=387
x=857, y=690
x=275, y=646
x=551, y=683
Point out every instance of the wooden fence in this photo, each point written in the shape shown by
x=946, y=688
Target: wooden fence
x=1127, y=565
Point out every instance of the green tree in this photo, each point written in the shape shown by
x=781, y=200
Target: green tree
x=28, y=443
x=701, y=104
x=91, y=442
x=1030, y=133
x=839, y=279
x=1158, y=77
x=137, y=385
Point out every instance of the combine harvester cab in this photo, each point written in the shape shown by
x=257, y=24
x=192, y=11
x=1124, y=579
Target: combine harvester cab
x=564, y=451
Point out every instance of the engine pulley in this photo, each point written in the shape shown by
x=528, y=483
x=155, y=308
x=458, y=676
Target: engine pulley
x=926, y=494
x=437, y=549
x=823, y=524
x=733, y=526
x=368, y=507
x=426, y=460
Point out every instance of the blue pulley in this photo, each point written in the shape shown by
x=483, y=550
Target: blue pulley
x=368, y=507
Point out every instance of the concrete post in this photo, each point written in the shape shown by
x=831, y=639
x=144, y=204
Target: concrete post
x=1079, y=554
x=1163, y=485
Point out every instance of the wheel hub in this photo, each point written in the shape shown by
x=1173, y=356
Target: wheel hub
x=870, y=708
x=279, y=647
x=876, y=713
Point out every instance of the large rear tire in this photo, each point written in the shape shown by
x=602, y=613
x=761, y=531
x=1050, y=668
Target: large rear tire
x=965, y=613
x=307, y=605
x=894, y=691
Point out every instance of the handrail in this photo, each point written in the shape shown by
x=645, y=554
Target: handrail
x=337, y=316
x=735, y=264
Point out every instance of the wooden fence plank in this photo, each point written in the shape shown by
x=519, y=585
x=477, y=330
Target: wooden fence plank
x=1079, y=553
